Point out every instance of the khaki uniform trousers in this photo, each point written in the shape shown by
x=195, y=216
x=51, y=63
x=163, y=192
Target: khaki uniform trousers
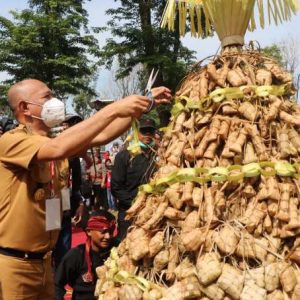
x=24, y=279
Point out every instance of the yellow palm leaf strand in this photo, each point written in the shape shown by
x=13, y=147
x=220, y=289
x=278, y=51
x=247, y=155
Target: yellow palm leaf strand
x=221, y=21
x=166, y=22
x=230, y=18
x=281, y=8
x=269, y=12
x=163, y=21
x=199, y=22
x=295, y=6
x=276, y=11
x=183, y=17
x=209, y=11
x=249, y=14
x=192, y=17
x=207, y=18
x=287, y=11
x=261, y=13
x=290, y=7
x=252, y=25
x=172, y=15
x=235, y=8
x=243, y=10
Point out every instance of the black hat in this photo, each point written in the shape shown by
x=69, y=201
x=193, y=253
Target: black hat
x=72, y=119
x=147, y=123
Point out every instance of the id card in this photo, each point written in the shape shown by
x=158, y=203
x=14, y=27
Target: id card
x=65, y=198
x=53, y=214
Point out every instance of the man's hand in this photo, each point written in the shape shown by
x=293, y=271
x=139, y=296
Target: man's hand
x=78, y=215
x=132, y=106
x=161, y=95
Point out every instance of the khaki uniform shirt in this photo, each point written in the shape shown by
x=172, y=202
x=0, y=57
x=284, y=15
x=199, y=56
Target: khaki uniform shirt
x=22, y=216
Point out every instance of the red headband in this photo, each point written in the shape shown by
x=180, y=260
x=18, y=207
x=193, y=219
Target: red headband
x=98, y=223
x=95, y=223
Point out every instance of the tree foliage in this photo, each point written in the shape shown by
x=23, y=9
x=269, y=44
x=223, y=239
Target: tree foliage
x=51, y=42
x=286, y=53
x=82, y=99
x=290, y=51
x=274, y=52
x=138, y=39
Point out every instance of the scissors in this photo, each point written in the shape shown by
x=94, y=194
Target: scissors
x=148, y=92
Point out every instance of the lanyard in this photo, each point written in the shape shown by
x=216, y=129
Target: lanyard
x=52, y=173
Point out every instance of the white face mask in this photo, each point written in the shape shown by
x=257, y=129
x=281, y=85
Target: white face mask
x=53, y=112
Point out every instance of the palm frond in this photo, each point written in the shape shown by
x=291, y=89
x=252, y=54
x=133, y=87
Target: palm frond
x=229, y=18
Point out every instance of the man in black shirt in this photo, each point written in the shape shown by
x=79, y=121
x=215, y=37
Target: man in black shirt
x=78, y=266
x=129, y=173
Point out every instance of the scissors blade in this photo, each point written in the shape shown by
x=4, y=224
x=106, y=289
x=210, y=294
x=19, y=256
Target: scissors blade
x=149, y=83
x=154, y=77
x=151, y=80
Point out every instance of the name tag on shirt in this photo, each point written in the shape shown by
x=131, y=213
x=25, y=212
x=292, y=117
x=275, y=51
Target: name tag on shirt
x=53, y=214
x=65, y=198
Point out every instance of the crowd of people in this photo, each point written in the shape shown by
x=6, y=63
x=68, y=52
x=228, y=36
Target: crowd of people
x=50, y=185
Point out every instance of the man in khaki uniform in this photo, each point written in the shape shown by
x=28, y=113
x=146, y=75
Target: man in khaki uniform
x=33, y=173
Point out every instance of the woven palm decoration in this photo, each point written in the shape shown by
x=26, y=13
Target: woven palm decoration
x=220, y=219
x=229, y=18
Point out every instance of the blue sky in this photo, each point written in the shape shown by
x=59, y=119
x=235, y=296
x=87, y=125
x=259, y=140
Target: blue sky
x=204, y=48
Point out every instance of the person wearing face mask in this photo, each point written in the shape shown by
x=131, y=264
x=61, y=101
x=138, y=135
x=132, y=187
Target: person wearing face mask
x=129, y=173
x=34, y=175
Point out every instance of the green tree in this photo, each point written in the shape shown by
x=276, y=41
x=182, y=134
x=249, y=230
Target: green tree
x=49, y=41
x=274, y=52
x=83, y=98
x=138, y=39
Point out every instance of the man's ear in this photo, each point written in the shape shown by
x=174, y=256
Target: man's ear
x=23, y=108
x=88, y=233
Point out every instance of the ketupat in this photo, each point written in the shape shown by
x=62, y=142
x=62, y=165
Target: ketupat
x=156, y=243
x=192, y=239
x=248, y=111
x=234, y=112
x=161, y=260
x=253, y=291
x=276, y=295
x=257, y=276
x=271, y=277
x=173, y=261
x=229, y=276
x=138, y=251
x=227, y=239
x=263, y=77
x=185, y=269
x=209, y=268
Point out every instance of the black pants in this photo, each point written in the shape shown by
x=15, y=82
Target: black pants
x=63, y=244
x=122, y=225
x=99, y=198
